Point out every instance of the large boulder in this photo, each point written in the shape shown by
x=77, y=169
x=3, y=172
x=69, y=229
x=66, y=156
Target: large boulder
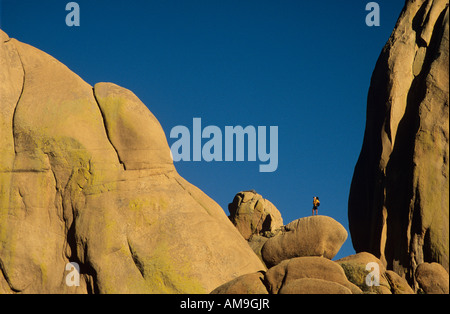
x=398, y=284
x=309, y=236
x=432, y=278
x=86, y=177
x=245, y=284
x=288, y=271
x=132, y=129
x=313, y=286
x=358, y=266
x=399, y=196
x=254, y=215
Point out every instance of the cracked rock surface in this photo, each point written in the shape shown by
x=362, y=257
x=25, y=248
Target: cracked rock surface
x=398, y=204
x=86, y=177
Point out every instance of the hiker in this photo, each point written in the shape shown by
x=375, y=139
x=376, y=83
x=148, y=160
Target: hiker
x=316, y=204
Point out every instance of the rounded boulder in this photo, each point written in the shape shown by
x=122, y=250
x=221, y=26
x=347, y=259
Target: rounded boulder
x=310, y=236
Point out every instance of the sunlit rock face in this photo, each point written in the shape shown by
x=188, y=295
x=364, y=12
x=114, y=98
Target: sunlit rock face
x=86, y=177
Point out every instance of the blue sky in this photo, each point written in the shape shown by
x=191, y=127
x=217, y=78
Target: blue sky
x=304, y=66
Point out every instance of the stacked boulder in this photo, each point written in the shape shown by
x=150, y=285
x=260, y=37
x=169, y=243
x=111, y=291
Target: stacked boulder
x=298, y=257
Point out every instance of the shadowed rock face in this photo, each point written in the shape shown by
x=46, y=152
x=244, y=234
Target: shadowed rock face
x=86, y=177
x=309, y=236
x=254, y=215
x=398, y=204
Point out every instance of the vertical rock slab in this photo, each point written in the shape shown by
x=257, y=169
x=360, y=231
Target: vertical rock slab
x=399, y=196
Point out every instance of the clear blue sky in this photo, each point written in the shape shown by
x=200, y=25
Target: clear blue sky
x=304, y=66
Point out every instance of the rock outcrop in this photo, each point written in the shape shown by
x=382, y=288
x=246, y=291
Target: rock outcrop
x=86, y=177
x=298, y=257
x=399, y=197
x=432, y=278
x=281, y=275
x=256, y=218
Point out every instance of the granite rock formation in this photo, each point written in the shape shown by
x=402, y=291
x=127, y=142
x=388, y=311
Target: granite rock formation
x=86, y=177
x=432, y=278
x=299, y=262
x=309, y=236
x=399, y=197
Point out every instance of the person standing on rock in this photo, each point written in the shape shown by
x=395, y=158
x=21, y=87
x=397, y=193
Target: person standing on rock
x=316, y=204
